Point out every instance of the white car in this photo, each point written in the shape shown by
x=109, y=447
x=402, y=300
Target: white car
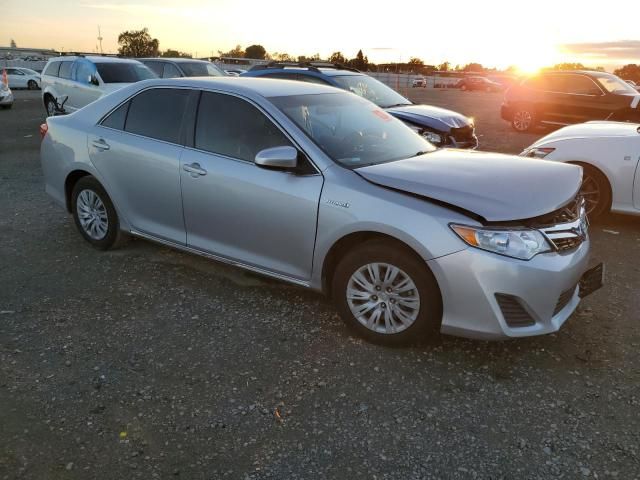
x=609, y=153
x=84, y=79
x=6, y=97
x=419, y=82
x=23, y=78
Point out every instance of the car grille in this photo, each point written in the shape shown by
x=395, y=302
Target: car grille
x=565, y=298
x=567, y=227
x=463, y=134
x=513, y=312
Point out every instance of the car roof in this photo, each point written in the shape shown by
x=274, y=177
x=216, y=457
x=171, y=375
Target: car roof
x=244, y=85
x=176, y=59
x=94, y=59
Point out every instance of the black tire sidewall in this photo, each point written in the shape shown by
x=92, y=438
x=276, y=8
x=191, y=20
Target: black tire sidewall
x=32, y=85
x=90, y=183
x=429, y=318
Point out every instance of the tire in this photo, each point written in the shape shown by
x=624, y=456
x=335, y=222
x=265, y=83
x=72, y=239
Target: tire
x=50, y=106
x=596, y=191
x=463, y=88
x=32, y=85
x=523, y=119
x=393, y=315
x=7, y=107
x=100, y=225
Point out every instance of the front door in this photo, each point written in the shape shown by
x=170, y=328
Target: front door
x=137, y=151
x=235, y=209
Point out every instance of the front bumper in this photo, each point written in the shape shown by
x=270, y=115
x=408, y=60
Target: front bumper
x=6, y=99
x=545, y=287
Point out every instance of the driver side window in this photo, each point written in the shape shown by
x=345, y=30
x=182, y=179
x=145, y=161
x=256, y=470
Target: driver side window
x=233, y=127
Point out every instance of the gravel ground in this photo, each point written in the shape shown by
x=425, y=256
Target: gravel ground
x=148, y=363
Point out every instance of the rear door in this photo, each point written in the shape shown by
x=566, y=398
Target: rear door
x=64, y=86
x=237, y=210
x=137, y=151
x=583, y=99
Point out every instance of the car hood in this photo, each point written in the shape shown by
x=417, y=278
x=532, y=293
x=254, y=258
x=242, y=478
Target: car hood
x=590, y=129
x=498, y=188
x=429, y=116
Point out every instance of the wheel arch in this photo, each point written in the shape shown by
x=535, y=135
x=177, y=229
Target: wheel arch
x=348, y=242
x=70, y=182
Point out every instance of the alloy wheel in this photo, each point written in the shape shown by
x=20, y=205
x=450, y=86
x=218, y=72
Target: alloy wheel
x=522, y=120
x=383, y=298
x=590, y=191
x=51, y=108
x=92, y=214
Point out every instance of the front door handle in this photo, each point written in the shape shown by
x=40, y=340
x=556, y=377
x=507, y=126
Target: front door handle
x=100, y=144
x=194, y=169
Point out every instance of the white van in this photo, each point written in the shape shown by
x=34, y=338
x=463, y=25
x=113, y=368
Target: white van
x=84, y=79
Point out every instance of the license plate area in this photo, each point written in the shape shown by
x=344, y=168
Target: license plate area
x=592, y=280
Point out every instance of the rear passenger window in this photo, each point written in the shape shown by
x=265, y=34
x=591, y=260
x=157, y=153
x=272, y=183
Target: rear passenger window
x=117, y=118
x=170, y=71
x=158, y=113
x=581, y=85
x=230, y=126
x=156, y=67
x=52, y=69
x=65, y=69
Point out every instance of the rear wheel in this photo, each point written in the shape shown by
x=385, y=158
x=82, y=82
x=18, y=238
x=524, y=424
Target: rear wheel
x=596, y=191
x=463, y=87
x=523, y=120
x=32, y=85
x=387, y=294
x=94, y=214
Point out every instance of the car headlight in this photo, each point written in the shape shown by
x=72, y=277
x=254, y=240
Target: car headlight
x=523, y=244
x=433, y=137
x=537, y=152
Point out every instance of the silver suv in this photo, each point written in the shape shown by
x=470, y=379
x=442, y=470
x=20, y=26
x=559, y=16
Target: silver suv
x=69, y=83
x=321, y=188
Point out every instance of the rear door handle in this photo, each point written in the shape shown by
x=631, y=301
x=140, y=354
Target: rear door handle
x=194, y=169
x=100, y=144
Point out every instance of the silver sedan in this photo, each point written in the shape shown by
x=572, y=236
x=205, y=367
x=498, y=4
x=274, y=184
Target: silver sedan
x=321, y=188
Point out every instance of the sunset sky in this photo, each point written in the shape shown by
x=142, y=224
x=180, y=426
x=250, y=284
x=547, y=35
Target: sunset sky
x=494, y=33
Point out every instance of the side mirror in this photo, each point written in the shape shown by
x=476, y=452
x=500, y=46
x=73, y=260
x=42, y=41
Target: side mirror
x=278, y=157
x=93, y=80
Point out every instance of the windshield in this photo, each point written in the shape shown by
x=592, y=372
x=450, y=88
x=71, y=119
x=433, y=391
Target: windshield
x=201, y=69
x=351, y=131
x=614, y=84
x=28, y=71
x=125, y=72
x=371, y=89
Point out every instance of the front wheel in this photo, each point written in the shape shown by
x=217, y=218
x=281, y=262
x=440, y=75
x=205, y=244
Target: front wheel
x=596, y=192
x=50, y=106
x=32, y=85
x=94, y=214
x=387, y=294
x=463, y=88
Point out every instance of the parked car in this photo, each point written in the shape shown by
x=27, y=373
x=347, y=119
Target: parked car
x=84, y=79
x=562, y=98
x=23, y=78
x=478, y=83
x=419, y=82
x=6, y=96
x=324, y=189
x=609, y=153
x=182, y=67
x=443, y=128
x=235, y=72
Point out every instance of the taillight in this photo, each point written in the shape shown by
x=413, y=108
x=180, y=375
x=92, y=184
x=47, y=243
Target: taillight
x=44, y=128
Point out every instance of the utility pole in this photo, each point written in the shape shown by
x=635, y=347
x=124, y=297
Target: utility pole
x=100, y=39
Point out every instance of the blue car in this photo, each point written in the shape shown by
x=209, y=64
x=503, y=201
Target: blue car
x=443, y=128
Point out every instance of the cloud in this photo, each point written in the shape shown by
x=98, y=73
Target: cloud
x=626, y=50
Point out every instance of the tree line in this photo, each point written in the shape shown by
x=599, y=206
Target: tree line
x=139, y=43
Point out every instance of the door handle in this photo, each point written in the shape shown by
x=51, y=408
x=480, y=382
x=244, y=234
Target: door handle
x=100, y=144
x=194, y=169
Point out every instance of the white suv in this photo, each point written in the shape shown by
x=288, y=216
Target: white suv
x=84, y=79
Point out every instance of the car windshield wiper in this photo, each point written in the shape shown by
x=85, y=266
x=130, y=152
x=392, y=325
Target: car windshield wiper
x=397, y=105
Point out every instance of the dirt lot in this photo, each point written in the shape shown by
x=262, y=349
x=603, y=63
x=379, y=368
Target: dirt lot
x=149, y=363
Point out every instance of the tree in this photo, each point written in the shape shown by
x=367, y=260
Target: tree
x=13, y=43
x=236, y=52
x=360, y=62
x=282, y=57
x=337, y=57
x=313, y=58
x=568, y=66
x=138, y=43
x=629, y=72
x=255, y=51
x=473, y=67
x=444, y=66
x=175, y=53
